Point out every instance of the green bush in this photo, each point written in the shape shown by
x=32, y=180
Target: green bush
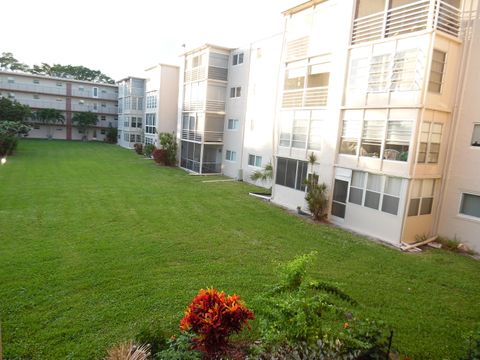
x=138, y=148
x=111, y=135
x=179, y=348
x=313, y=317
x=169, y=144
x=148, y=150
x=473, y=345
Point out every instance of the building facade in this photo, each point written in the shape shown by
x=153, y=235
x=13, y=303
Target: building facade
x=66, y=95
x=131, y=111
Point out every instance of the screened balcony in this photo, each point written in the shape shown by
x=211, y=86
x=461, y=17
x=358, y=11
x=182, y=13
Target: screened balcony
x=374, y=20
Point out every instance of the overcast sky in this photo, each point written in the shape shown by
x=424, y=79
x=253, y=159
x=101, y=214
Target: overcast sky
x=122, y=38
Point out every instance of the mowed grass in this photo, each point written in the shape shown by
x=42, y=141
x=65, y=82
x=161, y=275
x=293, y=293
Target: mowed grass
x=96, y=242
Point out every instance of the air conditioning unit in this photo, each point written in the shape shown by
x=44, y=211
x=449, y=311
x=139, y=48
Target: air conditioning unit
x=240, y=175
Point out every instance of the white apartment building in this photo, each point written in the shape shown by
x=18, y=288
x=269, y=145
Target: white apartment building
x=161, y=97
x=66, y=95
x=131, y=111
x=228, y=111
x=377, y=103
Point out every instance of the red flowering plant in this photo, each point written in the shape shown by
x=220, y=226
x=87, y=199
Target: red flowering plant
x=213, y=316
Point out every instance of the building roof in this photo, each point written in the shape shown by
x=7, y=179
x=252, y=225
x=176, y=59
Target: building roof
x=302, y=6
x=30, y=75
x=205, y=46
x=160, y=64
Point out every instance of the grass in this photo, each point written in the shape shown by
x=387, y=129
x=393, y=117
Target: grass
x=96, y=242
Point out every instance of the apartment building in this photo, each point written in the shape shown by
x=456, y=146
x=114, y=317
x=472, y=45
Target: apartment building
x=66, y=95
x=161, y=97
x=131, y=111
x=377, y=103
x=228, y=111
x=201, y=122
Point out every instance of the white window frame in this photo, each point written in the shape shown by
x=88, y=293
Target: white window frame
x=95, y=92
x=257, y=160
x=475, y=142
x=463, y=215
x=233, y=124
x=230, y=155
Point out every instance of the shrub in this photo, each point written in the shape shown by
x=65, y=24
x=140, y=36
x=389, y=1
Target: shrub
x=138, y=148
x=213, y=317
x=111, y=135
x=9, y=133
x=159, y=156
x=152, y=335
x=473, y=346
x=169, y=144
x=180, y=348
x=148, y=150
x=128, y=351
x=316, y=196
x=312, y=317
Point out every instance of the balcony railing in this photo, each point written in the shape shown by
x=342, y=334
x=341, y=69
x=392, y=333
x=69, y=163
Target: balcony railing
x=309, y=97
x=34, y=88
x=417, y=16
x=195, y=74
x=202, y=136
x=198, y=105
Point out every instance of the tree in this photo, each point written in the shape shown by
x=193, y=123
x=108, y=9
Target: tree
x=49, y=117
x=111, y=135
x=70, y=71
x=169, y=144
x=264, y=175
x=9, y=133
x=14, y=111
x=84, y=121
x=316, y=196
x=8, y=62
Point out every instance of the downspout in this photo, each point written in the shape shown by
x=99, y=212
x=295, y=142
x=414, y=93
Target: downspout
x=459, y=96
x=245, y=112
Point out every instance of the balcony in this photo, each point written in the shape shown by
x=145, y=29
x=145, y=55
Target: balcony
x=309, y=97
x=417, y=16
x=195, y=74
x=44, y=104
x=215, y=106
x=202, y=136
x=34, y=88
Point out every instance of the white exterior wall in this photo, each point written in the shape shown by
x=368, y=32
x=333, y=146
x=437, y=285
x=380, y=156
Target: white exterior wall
x=463, y=175
x=331, y=53
x=259, y=134
x=235, y=109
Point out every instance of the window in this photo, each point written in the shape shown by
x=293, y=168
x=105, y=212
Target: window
x=291, y=173
x=374, y=188
x=11, y=95
x=397, y=141
x=313, y=80
x=103, y=105
x=429, y=147
x=132, y=137
x=149, y=140
x=375, y=191
x=102, y=131
x=11, y=80
x=36, y=97
x=197, y=61
x=476, y=135
x=470, y=205
x=437, y=71
x=139, y=138
x=95, y=106
x=237, y=59
x=81, y=88
x=301, y=129
x=372, y=135
x=235, y=92
x=103, y=118
x=58, y=99
x=369, y=7
x=356, y=187
x=81, y=102
x=136, y=122
x=294, y=79
x=150, y=123
x=151, y=101
x=36, y=81
x=36, y=126
x=421, y=198
x=95, y=92
x=233, y=124
x=351, y=130
x=404, y=72
x=358, y=74
x=230, y=155
x=379, y=73
x=391, y=195
x=254, y=160
x=59, y=84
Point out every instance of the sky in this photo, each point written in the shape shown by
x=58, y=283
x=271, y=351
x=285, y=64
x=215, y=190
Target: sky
x=122, y=38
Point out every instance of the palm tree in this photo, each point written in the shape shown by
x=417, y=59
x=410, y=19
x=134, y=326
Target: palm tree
x=84, y=121
x=265, y=175
x=49, y=117
x=316, y=196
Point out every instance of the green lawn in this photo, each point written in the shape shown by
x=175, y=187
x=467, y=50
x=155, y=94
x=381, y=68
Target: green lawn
x=95, y=242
